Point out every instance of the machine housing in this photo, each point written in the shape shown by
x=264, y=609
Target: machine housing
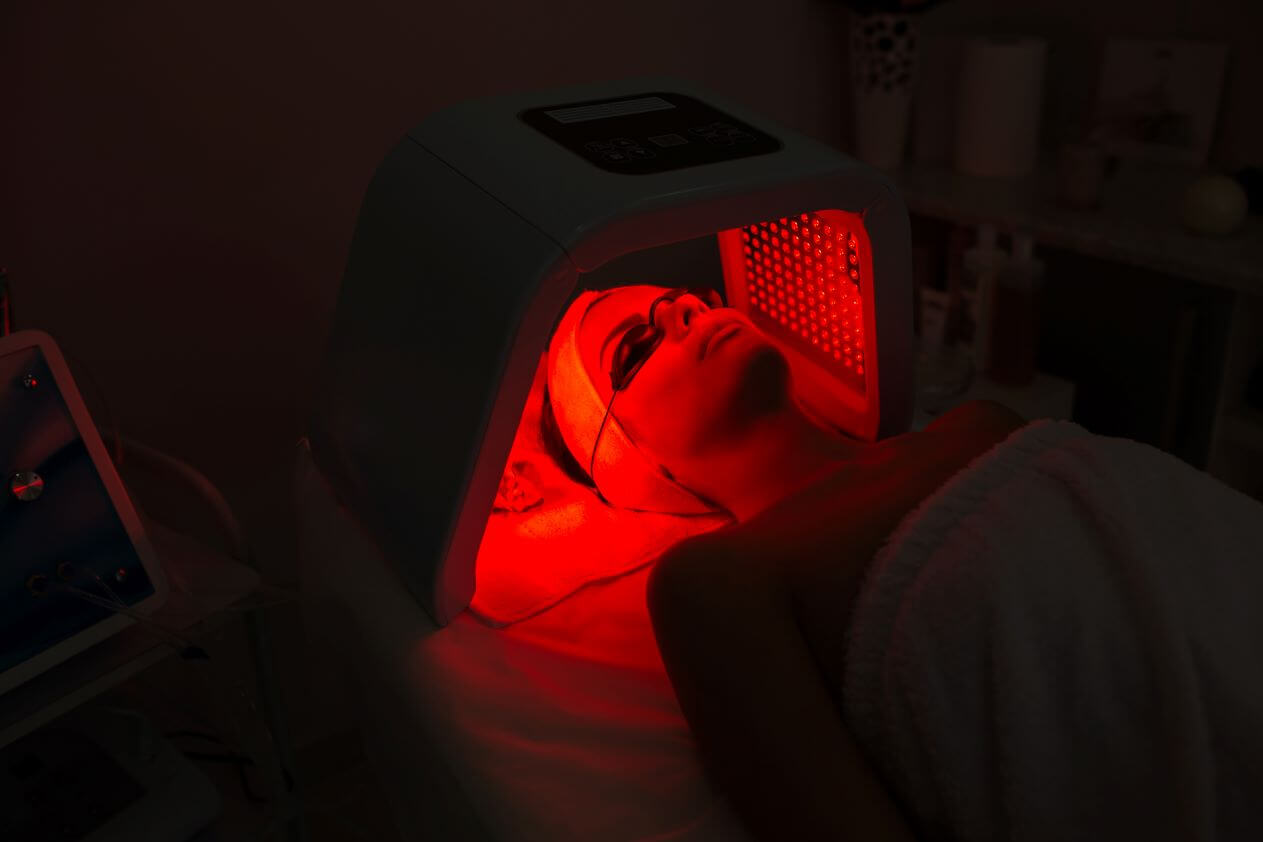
x=482, y=223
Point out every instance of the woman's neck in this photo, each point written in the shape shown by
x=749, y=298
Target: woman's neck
x=774, y=456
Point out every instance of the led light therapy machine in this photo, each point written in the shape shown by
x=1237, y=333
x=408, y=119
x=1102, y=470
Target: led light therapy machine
x=74, y=560
x=489, y=217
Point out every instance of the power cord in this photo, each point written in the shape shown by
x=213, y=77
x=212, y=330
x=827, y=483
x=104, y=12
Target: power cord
x=144, y=456
x=40, y=585
x=240, y=760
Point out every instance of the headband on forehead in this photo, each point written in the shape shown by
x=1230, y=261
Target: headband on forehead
x=622, y=472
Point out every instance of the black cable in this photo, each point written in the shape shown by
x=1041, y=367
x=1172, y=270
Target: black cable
x=251, y=796
x=201, y=735
x=240, y=760
x=187, y=649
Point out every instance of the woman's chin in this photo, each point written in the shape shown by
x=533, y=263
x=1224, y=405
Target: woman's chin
x=764, y=378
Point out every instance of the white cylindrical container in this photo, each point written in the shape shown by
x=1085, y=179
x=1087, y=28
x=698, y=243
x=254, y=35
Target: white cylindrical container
x=998, y=105
x=883, y=63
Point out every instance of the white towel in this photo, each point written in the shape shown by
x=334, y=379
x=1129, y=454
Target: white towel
x=1066, y=642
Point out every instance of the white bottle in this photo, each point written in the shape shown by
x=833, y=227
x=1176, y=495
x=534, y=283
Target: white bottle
x=982, y=264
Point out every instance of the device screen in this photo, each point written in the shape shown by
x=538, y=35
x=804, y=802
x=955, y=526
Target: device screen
x=649, y=133
x=55, y=515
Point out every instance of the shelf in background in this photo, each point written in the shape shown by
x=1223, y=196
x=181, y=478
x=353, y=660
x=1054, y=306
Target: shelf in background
x=1138, y=224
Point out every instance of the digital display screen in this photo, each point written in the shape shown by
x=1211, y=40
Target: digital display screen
x=604, y=110
x=649, y=133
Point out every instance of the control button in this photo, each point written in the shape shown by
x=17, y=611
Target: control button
x=26, y=486
x=640, y=154
x=30, y=381
x=625, y=142
x=617, y=157
x=597, y=146
x=668, y=139
x=723, y=134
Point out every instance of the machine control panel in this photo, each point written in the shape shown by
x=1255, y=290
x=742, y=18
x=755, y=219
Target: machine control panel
x=649, y=133
x=60, y=521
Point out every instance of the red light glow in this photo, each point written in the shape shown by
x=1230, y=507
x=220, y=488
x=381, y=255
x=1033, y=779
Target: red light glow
x=803, y=280
x=797, y=255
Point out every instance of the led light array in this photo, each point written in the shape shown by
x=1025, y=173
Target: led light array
x=803, y=278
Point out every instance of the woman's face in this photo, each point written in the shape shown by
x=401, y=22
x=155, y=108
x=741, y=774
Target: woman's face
x=712, y=374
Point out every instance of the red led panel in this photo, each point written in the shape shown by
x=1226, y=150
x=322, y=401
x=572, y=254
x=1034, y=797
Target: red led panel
x=804, y=281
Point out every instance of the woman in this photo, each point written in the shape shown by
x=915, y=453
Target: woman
x=821, y=725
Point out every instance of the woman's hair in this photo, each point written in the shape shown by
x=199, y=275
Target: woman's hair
x=550, y=434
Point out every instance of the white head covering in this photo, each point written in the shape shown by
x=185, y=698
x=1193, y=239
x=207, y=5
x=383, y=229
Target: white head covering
x=624, y=474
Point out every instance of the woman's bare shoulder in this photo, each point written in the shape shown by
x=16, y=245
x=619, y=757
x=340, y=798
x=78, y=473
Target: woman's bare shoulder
x=813, y=549
x=816, y=544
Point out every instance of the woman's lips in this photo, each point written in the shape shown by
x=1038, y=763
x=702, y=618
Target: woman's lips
x=720, y=335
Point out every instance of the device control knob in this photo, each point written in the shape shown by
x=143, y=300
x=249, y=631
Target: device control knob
x=26, y=486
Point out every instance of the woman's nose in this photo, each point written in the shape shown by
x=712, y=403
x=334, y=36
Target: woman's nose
x=681, y=314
